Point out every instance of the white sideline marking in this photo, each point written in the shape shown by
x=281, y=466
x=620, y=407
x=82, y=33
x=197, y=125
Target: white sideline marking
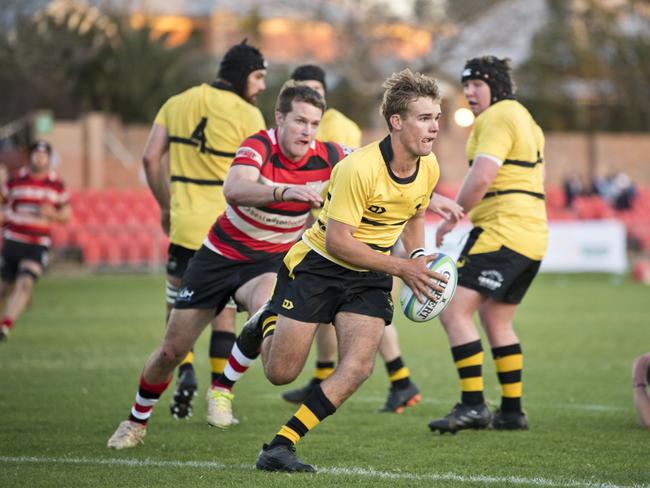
x=361, y=472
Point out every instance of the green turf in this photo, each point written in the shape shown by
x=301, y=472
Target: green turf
x=69, y=374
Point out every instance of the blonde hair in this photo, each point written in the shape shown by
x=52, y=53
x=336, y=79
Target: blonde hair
x=404, y=87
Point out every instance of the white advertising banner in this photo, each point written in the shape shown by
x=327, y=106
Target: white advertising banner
x=573, y=247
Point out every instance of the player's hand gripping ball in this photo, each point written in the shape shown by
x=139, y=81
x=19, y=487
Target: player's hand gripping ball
x=422, y=312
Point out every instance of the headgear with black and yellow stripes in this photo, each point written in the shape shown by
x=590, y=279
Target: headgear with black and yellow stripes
x=497, y=73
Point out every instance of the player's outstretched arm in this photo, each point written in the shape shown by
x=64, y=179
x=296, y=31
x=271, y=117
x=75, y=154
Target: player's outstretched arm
x=242, y=188
x=447, y=208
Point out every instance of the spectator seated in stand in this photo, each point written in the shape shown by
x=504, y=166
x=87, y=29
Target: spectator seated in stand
x=573, y=188
x=623, y=190
x=617, y=189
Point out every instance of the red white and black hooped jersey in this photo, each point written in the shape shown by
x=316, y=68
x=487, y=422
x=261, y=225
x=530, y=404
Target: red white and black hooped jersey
x=259, y=233
x=24, y=195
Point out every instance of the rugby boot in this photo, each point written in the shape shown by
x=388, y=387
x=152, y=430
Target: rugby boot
x=398, y=399
x=220, y=408
x=509, y=420
x=128, y=434
x=4, y=333
x=250, y=337
x=181, y=404
x=299, y=395
x=463, y=416
x=281, y=458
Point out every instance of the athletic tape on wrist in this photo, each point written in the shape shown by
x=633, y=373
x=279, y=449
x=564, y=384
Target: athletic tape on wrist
x=416, y=253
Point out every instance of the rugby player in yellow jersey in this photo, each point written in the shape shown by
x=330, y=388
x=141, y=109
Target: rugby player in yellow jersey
x=504, y=195
x=336, y=127
x=201, y=129
x=340, y=272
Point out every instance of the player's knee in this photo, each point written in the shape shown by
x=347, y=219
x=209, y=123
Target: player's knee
x=25, y=282
x=171, y=355
x=357, y=370
x=280, y=374
x=364, y=370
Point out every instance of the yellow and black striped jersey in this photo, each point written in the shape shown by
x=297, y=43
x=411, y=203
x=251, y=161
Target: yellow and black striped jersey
x=205, y=125
x=336, y=127
x=513, y=212
x=364, y=193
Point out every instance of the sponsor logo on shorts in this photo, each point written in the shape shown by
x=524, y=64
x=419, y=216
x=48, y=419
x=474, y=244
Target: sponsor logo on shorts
x=288, y=304
x=377, y=209
x=490, y=279
x=184, y=295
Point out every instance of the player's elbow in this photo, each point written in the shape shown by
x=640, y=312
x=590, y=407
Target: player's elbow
x=147, y=162
x=231, y=194
x=334, y=245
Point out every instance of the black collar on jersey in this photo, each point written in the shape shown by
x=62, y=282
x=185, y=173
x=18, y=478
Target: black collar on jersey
x=387, y=153
x=223, y=85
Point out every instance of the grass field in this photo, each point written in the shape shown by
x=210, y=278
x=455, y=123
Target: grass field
x=69, y=374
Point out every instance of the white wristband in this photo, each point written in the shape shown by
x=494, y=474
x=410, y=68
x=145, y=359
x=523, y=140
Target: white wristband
x=416, y=253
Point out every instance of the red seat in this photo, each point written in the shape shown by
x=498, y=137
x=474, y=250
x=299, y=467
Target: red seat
x=91, y=250
x=555, y=197
x=60, y=236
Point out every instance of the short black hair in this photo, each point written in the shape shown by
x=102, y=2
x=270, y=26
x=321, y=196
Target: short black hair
x=308, y=72
x=41, y=145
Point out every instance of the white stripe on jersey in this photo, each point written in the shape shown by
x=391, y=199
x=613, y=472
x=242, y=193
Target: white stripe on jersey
x=36, y=193
x=209, y=245
x=317, y=186
x=490, y=157
x=27, y=216
x=41, y=241
x=273, y=237
x=268, y=218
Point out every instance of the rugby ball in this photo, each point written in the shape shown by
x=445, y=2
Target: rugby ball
x=422, y=312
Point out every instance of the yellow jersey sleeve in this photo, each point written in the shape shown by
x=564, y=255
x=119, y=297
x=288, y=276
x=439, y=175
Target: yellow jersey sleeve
x=161, y=116
x=336, y=127
x=495, y=134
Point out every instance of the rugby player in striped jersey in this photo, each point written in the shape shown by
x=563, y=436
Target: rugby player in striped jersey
x=274, y=182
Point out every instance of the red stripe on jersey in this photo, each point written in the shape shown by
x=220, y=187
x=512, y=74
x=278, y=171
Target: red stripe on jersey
x=234, y=235
x=262, y=151
x=24, y=192
x=29, y=229
x=226, y=250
